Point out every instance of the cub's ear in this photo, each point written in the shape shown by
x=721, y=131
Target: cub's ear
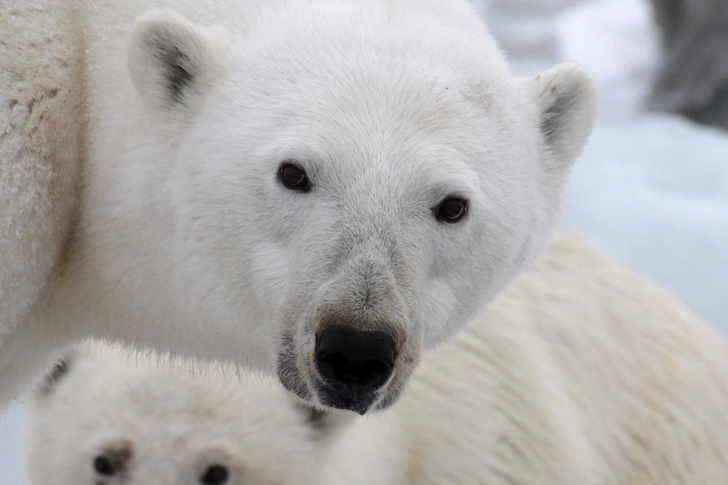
x=567, y=102
x=57, y=372
x=169, y=58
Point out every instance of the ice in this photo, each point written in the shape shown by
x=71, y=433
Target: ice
x=615, y=39
x=11, y=426
x=654, y=194
x=649, y=191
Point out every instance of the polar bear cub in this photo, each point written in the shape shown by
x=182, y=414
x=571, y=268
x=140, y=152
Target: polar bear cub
x=580, y=373
x=317, y=189
x=148, y=420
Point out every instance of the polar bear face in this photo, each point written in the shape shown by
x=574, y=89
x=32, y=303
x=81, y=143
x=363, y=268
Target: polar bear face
x=112, y=419
x=367, y=192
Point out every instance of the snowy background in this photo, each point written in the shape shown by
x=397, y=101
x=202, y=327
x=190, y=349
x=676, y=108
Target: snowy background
x=651, y=191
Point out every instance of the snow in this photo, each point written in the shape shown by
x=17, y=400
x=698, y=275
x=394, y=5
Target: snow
x=654, y=194
x=615, y=39
x=11, y=426
x=650, y=191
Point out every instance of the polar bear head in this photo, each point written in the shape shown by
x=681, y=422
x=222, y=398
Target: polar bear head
x=355, y=182
x=107, y=417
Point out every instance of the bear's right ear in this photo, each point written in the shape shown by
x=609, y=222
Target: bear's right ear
x=567, y=101
x=169, y=58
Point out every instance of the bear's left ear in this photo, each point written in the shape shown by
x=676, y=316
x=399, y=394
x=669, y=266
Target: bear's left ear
x=170, y=59
x=567, y=102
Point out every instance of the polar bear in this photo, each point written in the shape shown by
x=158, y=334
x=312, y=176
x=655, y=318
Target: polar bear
x=579, y=373
x=165, y=423
x=317, y=189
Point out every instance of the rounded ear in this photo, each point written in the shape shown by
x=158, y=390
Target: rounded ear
x=57, y=372
x=170, y=59
x=567, y=102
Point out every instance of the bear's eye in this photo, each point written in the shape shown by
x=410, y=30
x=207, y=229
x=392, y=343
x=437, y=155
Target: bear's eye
x=293, y=177
x=214, y=475
x=103, y=465
x=452, y=209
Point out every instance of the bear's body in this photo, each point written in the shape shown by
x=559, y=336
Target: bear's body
x=236, y=187
x=580, y=372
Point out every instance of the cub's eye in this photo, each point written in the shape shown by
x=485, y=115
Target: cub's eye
x=452, y=209
x=103, y=465
x=293, y=177
x=214, y=475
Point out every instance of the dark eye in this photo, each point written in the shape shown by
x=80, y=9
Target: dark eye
x=103, y=465
x=452, y=209
x=214, y=475
x=293, y=177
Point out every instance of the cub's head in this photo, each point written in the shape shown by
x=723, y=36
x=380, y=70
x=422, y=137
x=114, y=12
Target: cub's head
x=352, y=186
x=108, y=418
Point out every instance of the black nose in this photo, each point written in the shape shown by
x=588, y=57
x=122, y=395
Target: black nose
x=353, y=360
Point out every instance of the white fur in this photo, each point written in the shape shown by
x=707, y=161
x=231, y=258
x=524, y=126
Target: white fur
x=164, y=423
x=148, y=211
x=580, y=372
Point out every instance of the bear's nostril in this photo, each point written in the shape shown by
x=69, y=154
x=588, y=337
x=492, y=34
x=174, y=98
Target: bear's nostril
x=355, y=359
x=338, y=368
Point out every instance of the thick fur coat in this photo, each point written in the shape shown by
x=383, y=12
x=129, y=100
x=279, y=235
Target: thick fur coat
x=580, y=373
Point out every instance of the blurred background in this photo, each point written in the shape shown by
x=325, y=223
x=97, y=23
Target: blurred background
x=651, y=188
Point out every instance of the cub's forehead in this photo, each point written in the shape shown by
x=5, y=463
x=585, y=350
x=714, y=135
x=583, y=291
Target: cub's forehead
x=169, y=400
x=153, y=415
